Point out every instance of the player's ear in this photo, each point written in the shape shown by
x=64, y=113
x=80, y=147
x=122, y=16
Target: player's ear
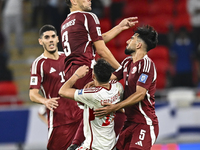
x=57, y=39
x=40, y=41
x=139, y=45
x=73, y=2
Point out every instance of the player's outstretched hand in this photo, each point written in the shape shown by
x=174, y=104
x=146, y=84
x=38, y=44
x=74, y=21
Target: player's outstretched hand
x=82, y=71
x=102, y=112
x=128, y=23
x=90, y=84
x=52, y=103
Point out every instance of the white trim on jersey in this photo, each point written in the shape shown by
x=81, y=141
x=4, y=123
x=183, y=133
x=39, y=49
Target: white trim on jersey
x=86, y=27
x=147, y=64
x=41, y=70
x=50, y=123
x=152, y=134
x=94, y=17
x=34, y=66
x=155, y=73
x=148, y=120
x=148, y=97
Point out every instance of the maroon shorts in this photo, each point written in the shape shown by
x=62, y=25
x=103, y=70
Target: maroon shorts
x=137, y=136
x=62, y=136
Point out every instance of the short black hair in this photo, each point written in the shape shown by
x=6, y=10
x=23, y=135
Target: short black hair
x=69, y=4
x=148, y=35
x=46, y=28
x=103, y=71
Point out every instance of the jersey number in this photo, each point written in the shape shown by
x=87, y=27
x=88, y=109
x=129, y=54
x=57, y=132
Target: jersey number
x=66, y=43
x=142, y=134
x=62, y=74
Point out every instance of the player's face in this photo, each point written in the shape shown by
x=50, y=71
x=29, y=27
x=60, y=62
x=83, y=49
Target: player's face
x=49, y=41
x=85, y=5
x=131, y=44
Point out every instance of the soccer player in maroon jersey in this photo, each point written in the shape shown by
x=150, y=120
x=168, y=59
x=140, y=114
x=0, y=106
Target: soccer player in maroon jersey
x=82, y=38
x=140, y=130
x=47, y=75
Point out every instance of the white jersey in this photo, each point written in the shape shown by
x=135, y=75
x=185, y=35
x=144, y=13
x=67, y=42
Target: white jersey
x=99, y=133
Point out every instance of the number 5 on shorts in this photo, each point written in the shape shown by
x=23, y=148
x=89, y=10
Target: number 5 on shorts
x=142, y=134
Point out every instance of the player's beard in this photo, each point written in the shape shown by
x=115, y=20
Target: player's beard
x=51, y=52
x=87, y=9
x=129, y=51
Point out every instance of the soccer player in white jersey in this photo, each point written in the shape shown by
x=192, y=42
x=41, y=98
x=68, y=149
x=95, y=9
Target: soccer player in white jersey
x=140, y=130
x=99, y=133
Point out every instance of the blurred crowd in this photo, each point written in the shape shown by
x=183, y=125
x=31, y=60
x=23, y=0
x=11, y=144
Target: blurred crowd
x=177, y=55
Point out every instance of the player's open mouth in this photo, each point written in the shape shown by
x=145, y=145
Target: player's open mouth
x=51, y=46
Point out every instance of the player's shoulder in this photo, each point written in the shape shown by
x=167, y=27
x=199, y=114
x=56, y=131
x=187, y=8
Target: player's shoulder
x=116, y=84
x=37, y=63
x=39, y=59
x=146, y=64
x=126, y=60
x=93, y=89
x=61, y=54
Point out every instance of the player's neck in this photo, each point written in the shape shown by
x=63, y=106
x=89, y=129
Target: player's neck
x=105, y=85
x=54, y=56
x=139, y=55
x=75, y=9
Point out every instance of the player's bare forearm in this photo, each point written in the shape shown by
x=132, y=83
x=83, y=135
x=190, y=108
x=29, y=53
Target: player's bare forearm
x=105, y=53
x=123, y=25
x=66, y=90
x=49, y=103
x=131, y=100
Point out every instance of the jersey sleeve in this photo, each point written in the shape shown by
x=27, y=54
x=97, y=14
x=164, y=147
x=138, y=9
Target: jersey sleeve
x=94, y=27
x=120, y=89
x=36, y=76
x=147, y=74
x=86, y=98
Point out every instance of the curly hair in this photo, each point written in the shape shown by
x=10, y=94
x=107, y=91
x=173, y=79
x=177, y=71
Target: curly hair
x=148, y=35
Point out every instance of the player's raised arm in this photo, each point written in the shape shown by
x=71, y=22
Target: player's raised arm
x=123, y=25
x=66, y=90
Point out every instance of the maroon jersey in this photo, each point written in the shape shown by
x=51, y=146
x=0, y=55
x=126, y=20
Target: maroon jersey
x=48, y=75
x=142, y=73
x=78, y=32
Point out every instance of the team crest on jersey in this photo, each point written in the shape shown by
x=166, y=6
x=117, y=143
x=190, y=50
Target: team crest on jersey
x=34, y=80
x=80, y=92
x=134, y=70
x=143, y=78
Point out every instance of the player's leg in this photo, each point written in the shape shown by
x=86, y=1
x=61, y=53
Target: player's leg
x=119, y=122
x=143, y=137
x=62, y=136
x=125, y=136
x=78, y=139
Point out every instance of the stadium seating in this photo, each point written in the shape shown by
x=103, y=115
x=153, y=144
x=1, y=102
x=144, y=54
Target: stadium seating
x=160, y=56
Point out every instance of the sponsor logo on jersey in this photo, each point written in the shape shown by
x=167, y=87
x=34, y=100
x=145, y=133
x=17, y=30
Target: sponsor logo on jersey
x=143, y=78
x=139, y=143
x=134, y=70
x=52, y=70
x=80, y=92
x=34, y=80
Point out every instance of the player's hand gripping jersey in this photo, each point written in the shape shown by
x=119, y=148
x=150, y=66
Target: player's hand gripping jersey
x=99, y=133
